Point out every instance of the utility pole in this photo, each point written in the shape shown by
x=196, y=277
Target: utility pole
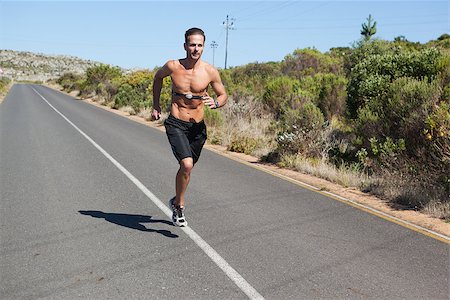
x=214, y=46
x=228, y=26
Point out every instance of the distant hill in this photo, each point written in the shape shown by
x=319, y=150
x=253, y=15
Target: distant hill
x=20, y=65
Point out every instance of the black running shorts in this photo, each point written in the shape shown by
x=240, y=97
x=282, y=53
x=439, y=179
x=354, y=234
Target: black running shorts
x=185, y=138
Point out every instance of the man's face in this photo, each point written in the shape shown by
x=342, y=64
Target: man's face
x=194, y=46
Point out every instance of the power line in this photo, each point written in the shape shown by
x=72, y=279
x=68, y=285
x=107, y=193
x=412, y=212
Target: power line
x=336, y=27
x=266, y=10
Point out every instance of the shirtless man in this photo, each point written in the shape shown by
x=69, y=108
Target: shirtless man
x=185, y=127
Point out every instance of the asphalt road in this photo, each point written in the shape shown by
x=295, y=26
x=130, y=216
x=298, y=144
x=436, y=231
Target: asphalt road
x=73, y=225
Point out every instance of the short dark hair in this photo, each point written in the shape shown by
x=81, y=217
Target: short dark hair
x=192, y=31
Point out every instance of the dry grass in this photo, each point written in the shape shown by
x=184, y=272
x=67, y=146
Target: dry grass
x=128, y=109
x=438, y=210
x=345, y=175
x=247, y=118
x=406, y=192
x=145, y=113
x=5, y=91
x=99, y=99
x=244, y=119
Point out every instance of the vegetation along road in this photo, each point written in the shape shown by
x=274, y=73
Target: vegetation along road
x=83, y=214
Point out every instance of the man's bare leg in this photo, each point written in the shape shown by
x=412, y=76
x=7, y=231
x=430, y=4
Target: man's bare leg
x=182, y=179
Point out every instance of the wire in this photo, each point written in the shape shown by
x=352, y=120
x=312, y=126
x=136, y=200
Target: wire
x=327, y=27
x=296, y=15
x=265, y=10
x=22, y=39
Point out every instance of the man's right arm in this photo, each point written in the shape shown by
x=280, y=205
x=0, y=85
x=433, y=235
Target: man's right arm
x=157, y=86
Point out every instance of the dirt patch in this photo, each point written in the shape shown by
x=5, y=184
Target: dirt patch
x=353, y=194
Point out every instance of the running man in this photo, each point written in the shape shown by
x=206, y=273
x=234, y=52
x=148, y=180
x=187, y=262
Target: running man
x=185, y=127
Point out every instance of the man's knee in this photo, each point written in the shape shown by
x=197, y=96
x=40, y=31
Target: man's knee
x=186, y=165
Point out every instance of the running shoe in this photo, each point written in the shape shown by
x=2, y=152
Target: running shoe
x=178, y=218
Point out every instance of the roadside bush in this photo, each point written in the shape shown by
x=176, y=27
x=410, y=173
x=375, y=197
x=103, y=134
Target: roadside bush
x=166, y=94
x=403, y=43
x=327, y=91
x=411, y=185
x=442, y=42
x=240, y=119
x=4, y=82
x=332, y=95
x=364, y=49
x=399, y=117
x=281, y=92
x=243, y=144
x=101, y=74
x=301, y=131
x=227, y=81
x=70, y=81
x=213, y=117
x=304, y=62
x=437, y=133
x=251, y=79
x=410, y=103
x=127, y=96
x=411, y=149
x=141, y=80
x=371, y=77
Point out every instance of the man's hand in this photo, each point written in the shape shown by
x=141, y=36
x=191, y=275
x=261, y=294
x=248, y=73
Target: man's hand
x=156, y=113
x=207, y=100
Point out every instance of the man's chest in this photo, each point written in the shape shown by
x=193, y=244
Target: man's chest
x=189, y=80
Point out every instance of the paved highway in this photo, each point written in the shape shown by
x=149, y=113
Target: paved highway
x=81, y=217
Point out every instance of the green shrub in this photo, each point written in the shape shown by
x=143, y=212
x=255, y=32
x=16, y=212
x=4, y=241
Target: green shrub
x=307, y=118
x=250, y=79
x=437, y=131
x=403, y=43
x=304, y=62
x=365, y=49
x=128, y=96
x=243, y=144
x=301, y=131
x=332, y=95
x=408, y=106
x=388, y=147
x=213, y=117
x=280, y=92
x=101, y=74
x=70, y=81
x=141, y=80
x=371, y=77
x=4, y=82
x=399, y=113
x=165, y=98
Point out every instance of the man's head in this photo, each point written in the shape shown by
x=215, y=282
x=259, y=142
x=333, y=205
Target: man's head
x=193, y=31
x=194, y=43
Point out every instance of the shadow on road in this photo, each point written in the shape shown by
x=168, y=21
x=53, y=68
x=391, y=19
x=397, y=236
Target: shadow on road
x=130, y=221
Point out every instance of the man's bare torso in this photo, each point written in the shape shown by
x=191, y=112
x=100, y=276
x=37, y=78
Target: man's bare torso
x=193, y=81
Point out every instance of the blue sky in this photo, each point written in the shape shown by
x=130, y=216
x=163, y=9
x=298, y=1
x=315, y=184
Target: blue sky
x=145, y=34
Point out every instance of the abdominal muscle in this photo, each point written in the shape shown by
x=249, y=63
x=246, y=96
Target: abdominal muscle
x=187, y=110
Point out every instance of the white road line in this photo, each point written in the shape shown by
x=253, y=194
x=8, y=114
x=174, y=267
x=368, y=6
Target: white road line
x=215, y=257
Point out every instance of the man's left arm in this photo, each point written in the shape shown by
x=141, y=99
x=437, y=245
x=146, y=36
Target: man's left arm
x=219, y=89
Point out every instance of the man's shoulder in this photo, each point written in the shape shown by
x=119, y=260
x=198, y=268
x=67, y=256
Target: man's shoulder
x=207, y=65
x=172, y=64
x=209, y=68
